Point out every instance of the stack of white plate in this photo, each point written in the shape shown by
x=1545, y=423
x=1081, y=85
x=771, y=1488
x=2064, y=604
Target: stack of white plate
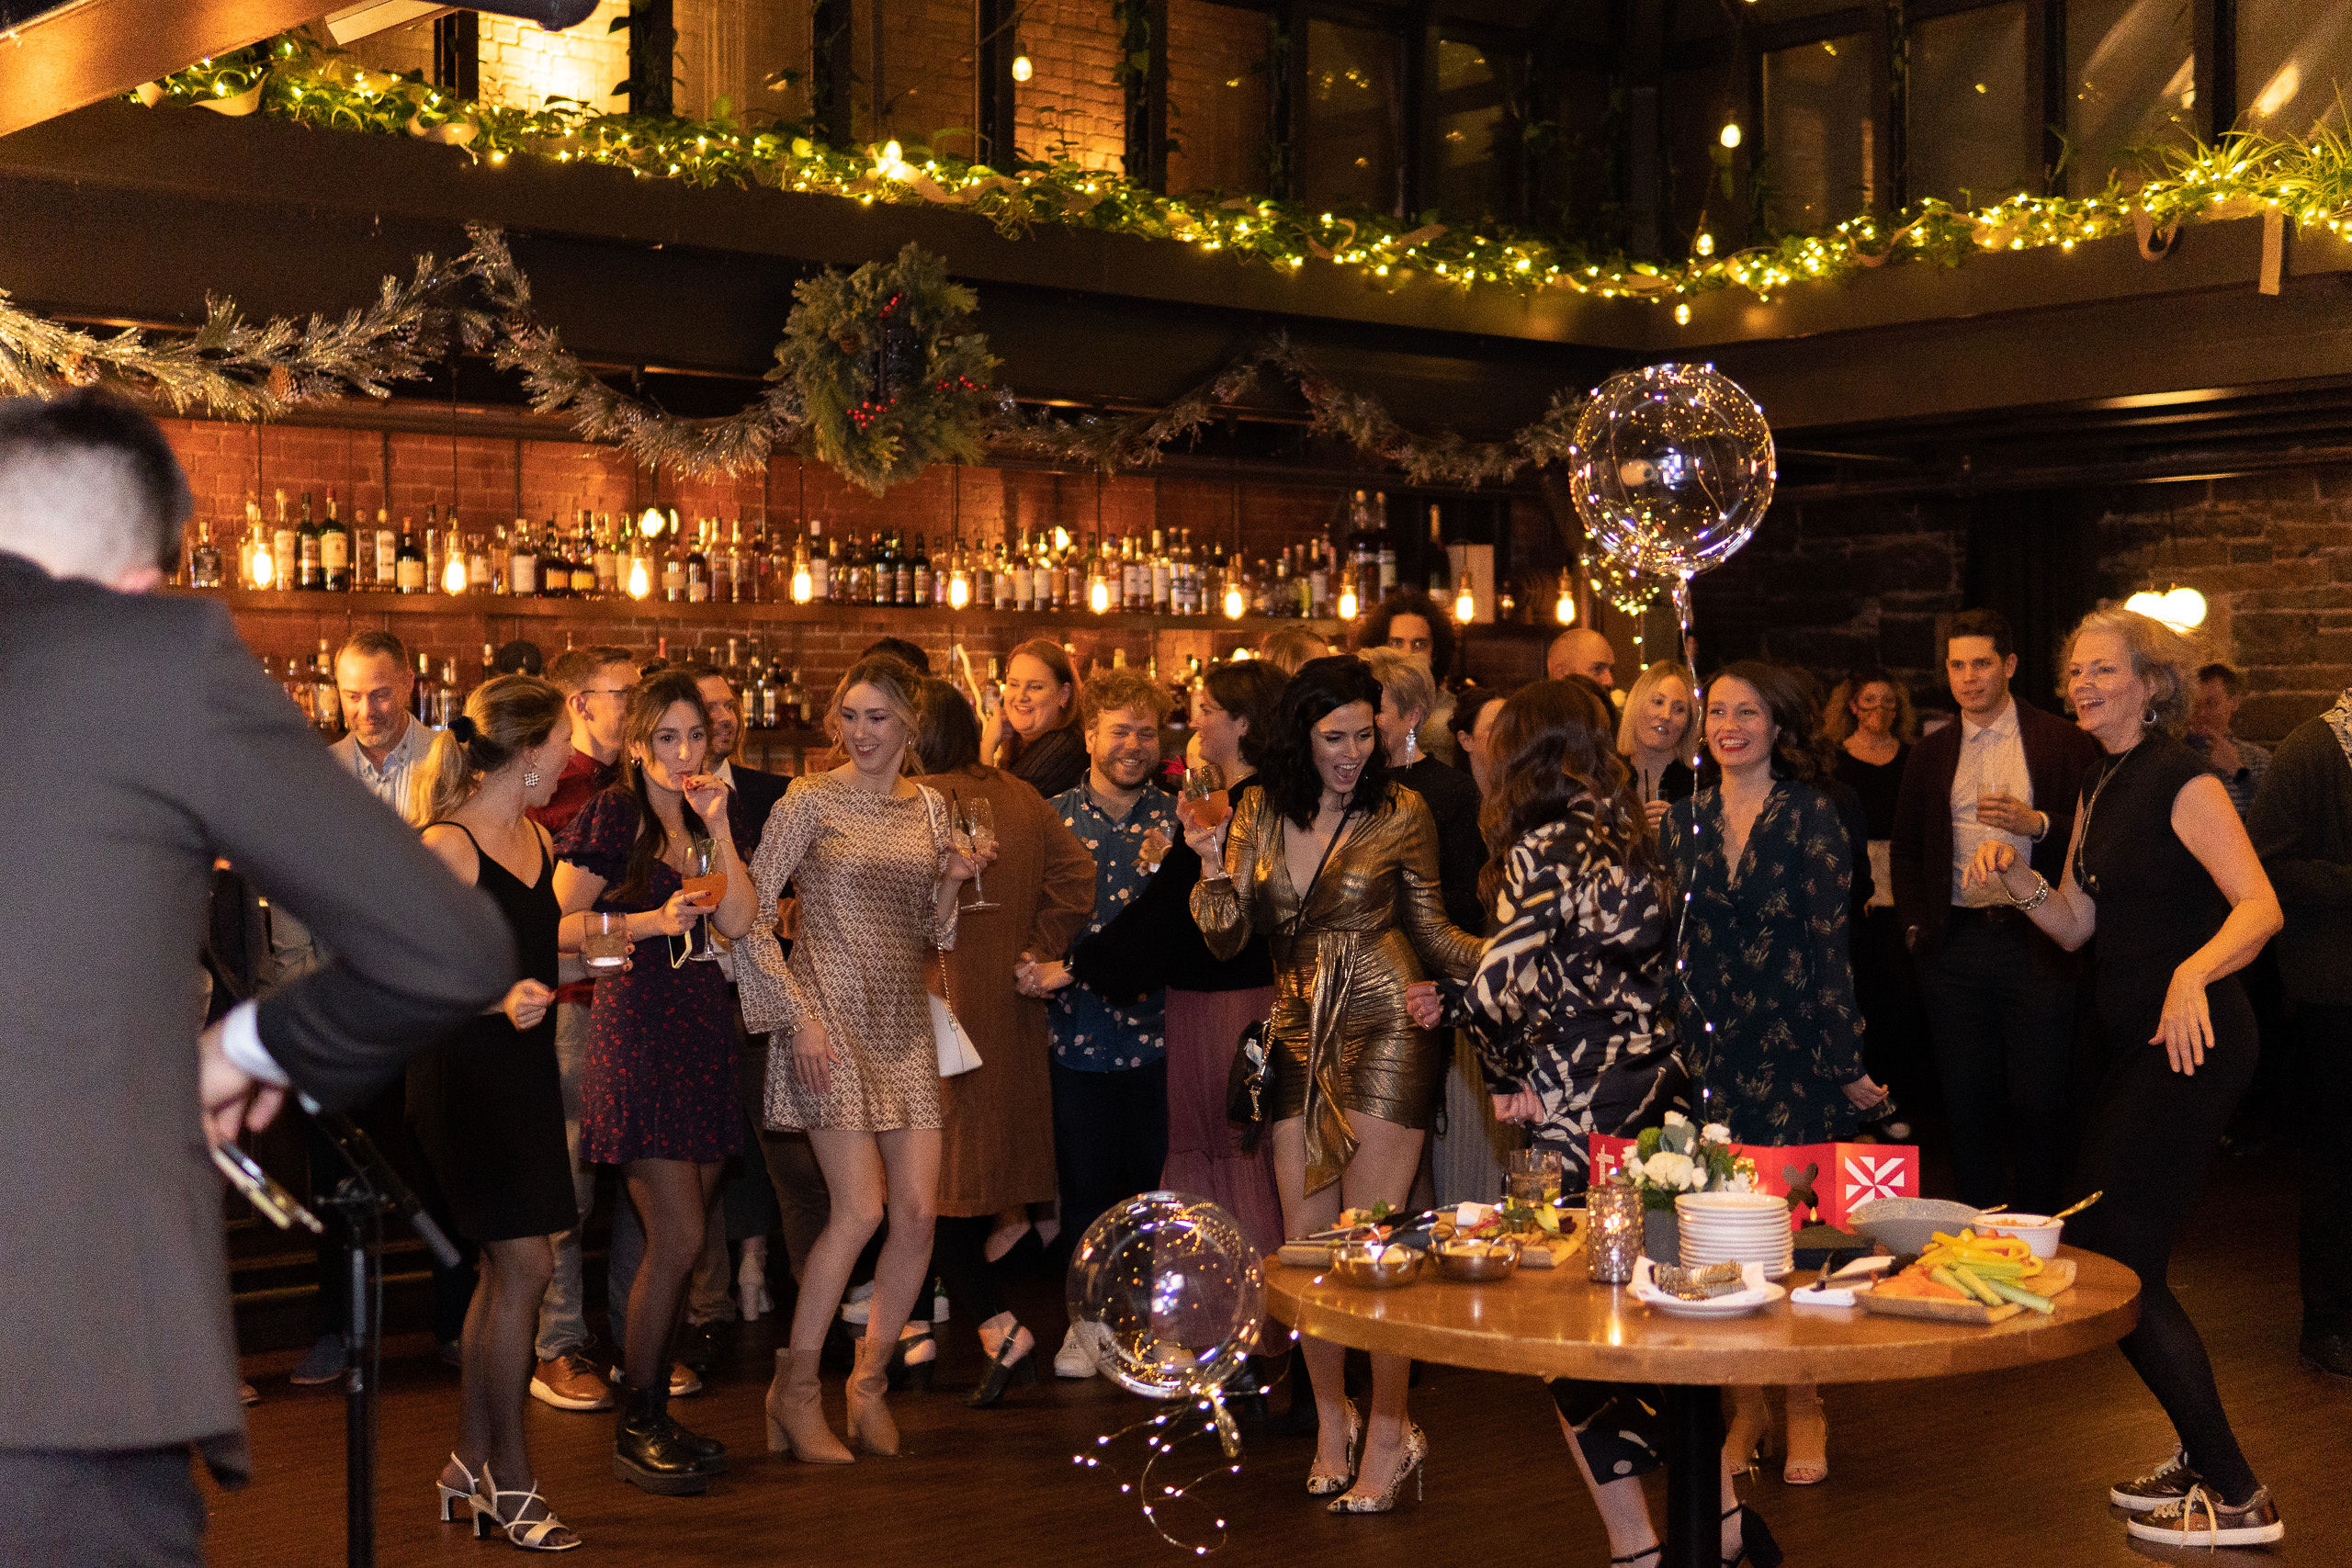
x=1737, y=1227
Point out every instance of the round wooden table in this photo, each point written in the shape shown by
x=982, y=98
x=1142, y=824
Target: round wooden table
x=1557, y=1323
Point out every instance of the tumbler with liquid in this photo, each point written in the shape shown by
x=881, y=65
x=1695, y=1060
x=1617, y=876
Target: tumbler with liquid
x=606, y=945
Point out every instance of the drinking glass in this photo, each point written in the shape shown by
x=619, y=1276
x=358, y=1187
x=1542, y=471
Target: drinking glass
x=1534, y=1176
x=606, y=945
x=979, y=836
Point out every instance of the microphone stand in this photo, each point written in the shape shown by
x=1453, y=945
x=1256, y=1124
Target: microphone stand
x=360, y=1200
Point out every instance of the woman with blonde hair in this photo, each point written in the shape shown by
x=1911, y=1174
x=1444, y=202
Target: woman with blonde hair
x=485, y=1106
x=657, y=1093
x=1033, y=732
x=1657, y=735
x=851, y=1059
x=2160, y=869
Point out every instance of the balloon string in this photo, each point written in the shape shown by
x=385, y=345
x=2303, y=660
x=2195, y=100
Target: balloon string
x=1159, y=1444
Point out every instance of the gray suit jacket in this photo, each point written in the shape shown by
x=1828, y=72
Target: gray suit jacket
x=140, y=740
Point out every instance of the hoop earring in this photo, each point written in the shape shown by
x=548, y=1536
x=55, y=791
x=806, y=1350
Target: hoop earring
x=2148, y=718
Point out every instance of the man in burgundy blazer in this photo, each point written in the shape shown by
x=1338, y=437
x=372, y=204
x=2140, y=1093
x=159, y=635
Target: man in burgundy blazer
x=2000, y=995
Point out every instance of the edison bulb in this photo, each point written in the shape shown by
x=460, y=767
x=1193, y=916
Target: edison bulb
x=1235, y=604
x=1098, y=595
x=802, y=591
x=1022, y=69
x=263, y=567
x=959, y=592
x=453, y=578
x=1730, y=137
x=1465, y=605
x=1566, y=608
x=1347, y=603
x=652, y=523
x=641, y=580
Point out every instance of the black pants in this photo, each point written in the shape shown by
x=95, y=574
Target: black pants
x=2323, y=1035
x=1110, y=1139
x=959, y=1257
x=128, y=1508
x=1886, y=986
x=2152, y=1135
x=2001, y=1014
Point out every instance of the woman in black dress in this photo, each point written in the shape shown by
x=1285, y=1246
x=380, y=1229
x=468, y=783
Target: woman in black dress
x=2160, y=869
x=485, y=1105
x=658, y=1090
x=1869, y=726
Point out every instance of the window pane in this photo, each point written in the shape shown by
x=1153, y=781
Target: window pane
x=733, y=50
x=1351, y=114
x=1476, y=133
x=1818, y=130
x=1217, y=96
x=1969, y=139
x=2130, y=84
x=2292, y=56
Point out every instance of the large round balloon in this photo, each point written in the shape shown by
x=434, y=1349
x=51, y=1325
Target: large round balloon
x=1170, y=1290
x=1671, y=468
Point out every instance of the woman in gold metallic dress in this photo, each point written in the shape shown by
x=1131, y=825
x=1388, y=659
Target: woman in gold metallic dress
x=1336, y=866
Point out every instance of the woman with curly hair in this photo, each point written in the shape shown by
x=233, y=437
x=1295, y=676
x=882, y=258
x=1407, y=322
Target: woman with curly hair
x=2162, y=873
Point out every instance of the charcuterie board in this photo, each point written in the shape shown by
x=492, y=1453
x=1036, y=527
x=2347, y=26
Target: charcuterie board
x=2055, y=1276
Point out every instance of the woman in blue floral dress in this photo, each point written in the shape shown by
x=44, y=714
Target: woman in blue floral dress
x=1762, y=982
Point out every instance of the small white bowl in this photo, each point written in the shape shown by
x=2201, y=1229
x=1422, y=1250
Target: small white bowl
x=2038, y=1232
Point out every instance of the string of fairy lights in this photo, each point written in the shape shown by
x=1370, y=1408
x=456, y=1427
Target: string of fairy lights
x=2243, y=174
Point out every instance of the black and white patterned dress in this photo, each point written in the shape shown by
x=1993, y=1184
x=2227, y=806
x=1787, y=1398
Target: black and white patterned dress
x=1565, y=997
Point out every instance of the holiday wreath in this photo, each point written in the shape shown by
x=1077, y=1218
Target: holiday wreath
x=889, y=380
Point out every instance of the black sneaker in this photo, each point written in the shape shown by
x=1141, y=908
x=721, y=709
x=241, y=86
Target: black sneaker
x=2201, y=1520
x=2170, y=1484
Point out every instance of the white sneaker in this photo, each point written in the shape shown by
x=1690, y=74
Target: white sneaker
x=859, y=1306
x=1076, y=1357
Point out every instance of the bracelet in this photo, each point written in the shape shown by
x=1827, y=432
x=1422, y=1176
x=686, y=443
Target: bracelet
x=2037, y=838
x=2034, y=901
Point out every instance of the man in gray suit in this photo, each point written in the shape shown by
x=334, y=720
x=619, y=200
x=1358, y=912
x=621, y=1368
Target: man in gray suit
x=114, y=1302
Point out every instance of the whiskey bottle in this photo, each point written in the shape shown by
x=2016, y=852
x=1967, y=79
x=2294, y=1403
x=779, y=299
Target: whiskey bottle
x=204, y=560
x=334, y=552
x=285, y=547
x=407, y=563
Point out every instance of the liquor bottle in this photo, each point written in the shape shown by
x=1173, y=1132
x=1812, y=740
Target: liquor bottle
x=795, y=702
x=421, y=700
x=821, y=563
x=607, y=560
x=481, y=577
x=363, y=549
x=285, y=547
x=448, y=702
x=673, y=568
x=522, y=561
x=334, y=552
x=326, y=707
x=743, y=569
x=204, y=560
x=387, y=550
x=434, y=549
x=407, y=563
x=1163, y=576
x=308, y=573
x=903, y=567
x=914, y=575
x=697, y=565
x=583, y=553
x=1384, y=544
x=857, y=581
x=489, y=663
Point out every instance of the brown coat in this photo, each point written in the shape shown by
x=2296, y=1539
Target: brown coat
x=999, y=1152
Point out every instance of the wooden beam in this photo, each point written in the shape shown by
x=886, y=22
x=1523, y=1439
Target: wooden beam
x=87, y=51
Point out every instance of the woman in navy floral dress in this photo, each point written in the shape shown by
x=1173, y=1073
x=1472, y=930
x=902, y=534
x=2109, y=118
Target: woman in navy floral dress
x=1765, y=985
x=658, y=1091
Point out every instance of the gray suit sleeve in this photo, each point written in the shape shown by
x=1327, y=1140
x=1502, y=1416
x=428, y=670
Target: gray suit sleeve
x=415, y=951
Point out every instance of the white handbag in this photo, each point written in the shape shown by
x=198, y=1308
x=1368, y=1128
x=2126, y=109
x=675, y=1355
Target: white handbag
x=957, y=1052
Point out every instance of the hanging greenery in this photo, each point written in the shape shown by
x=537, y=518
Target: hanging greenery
x=2241, y=175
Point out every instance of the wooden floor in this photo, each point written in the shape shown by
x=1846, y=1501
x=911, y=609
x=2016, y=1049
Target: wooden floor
x=2008, y=1469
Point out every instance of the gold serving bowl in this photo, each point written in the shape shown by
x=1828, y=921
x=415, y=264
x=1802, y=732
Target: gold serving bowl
x=1477, y=1262
x=1369, y=1265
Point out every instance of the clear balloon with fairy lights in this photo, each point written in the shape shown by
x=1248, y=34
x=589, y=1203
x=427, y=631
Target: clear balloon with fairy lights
x=1170, y=1290
x=1671, y=468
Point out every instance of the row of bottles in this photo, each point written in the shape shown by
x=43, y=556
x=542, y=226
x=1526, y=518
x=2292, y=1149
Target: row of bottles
x=438, y=697
x=711, y=562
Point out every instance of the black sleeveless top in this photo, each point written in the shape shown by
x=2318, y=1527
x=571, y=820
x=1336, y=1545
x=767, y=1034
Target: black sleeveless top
x=531, y=912
x=2158, y=904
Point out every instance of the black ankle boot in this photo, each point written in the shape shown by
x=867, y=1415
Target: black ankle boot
x=651, y=1452
x=710, y=1450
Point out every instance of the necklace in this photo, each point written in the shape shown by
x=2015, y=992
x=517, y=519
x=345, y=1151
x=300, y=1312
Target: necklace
x=2083, y=878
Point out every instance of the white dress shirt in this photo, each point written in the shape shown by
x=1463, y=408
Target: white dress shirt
x=1992, y=762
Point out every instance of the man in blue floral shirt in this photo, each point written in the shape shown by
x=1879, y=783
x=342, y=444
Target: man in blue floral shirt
x=1110, y=1062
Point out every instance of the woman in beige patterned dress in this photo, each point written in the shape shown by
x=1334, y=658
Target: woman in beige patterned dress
x=851, y=1056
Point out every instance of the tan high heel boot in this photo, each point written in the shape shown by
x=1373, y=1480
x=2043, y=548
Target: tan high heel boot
x=869, y=1420
x=796, y=1419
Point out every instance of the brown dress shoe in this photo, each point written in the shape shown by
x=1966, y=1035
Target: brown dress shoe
x=570, y=1383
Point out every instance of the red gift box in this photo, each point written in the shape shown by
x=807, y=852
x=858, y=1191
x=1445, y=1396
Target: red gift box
x=1845, y=1175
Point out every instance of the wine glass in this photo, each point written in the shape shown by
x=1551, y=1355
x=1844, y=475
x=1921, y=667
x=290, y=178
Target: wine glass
x=978, y=836
x=702, y=858
x=1207, y=803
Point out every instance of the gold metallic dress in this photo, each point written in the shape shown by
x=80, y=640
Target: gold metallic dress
x=1339, y=1039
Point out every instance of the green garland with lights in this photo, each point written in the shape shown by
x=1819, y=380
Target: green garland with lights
x=2243, y=174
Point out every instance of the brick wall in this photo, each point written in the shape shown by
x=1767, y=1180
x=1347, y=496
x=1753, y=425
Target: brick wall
x=523, y=65
x=2273, y=557
x=1075, y=106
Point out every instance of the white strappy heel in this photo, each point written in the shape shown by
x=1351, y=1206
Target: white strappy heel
x=451, y=1496
x=531, y=1535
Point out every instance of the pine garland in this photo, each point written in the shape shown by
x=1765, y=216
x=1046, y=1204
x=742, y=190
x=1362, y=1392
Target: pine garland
x=2240, y=175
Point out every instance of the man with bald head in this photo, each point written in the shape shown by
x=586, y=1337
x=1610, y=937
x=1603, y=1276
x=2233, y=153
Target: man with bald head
x=1580, y=650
